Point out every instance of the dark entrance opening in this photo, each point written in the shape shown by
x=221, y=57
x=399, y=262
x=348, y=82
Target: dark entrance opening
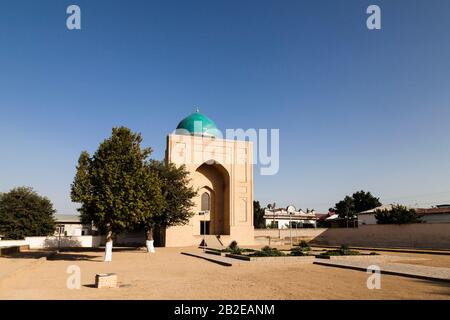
x=204, y=227
x=159, y=235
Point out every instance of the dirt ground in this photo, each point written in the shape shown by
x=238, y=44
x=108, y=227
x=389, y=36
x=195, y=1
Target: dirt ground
x=167, y=274
x=431, y=260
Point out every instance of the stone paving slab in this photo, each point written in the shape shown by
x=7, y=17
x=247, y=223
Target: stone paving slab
x=399, y=269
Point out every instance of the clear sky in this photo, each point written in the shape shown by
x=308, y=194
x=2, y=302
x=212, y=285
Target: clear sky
x=356, y=109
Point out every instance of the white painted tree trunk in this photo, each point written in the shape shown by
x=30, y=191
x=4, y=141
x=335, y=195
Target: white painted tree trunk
x=150, y=247
x=149, y=242
x=109, y=244
x=108, y=251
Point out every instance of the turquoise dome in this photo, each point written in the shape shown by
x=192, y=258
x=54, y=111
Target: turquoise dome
x=197, y=124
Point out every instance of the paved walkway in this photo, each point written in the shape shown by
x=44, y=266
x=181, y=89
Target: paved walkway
x=399, y=269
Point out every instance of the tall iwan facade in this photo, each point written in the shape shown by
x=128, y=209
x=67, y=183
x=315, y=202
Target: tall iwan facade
x=222, y=172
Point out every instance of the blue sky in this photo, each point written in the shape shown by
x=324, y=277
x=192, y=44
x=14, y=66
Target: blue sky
x=356, y=109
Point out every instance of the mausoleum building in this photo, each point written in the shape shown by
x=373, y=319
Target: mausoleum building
x=221, y=171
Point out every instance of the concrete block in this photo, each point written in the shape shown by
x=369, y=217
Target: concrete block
x=106, y=280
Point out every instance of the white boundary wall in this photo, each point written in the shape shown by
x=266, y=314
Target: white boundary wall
x=55, y=242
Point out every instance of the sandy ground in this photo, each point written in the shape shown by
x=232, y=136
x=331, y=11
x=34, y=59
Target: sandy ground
x=422, y=259
x=169, y=275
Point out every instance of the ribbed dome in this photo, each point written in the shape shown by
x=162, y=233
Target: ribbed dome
x=197, y=124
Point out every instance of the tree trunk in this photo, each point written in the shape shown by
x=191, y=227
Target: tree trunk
x=109, y=244
x=149, y=242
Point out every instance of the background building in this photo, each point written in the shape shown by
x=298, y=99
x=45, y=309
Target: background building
x=70, y=225
x=280, y=218
x=440, y=214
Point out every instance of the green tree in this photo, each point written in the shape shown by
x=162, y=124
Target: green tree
x=156, y=206
x=177, y=194
x=365, y=201
x=398, y=214
x=24, y=213
x=258, y=215
x=345, y=208
x=351, y=205
x=115, y=187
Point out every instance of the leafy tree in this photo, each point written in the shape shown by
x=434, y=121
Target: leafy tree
x=358, y=202
x=116, y=187
x=154, y=192
x=345, y=208
x=365, y=201
x=177, y=194
x=24, y=213
x=258, y=215
x=398, y=214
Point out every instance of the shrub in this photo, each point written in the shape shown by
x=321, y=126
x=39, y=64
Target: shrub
x=304, y=245
x=268, y=252
x=299, y=252
x=332, y=253
x=233, y=248
x=342, y=251
x=233, y=245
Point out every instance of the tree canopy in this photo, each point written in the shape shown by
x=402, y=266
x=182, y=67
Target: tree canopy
x=345, y=208
x=365, y=201
x=398, y=214
x=358, y=202
x=24, y=213
x=115, y=187
x=258, y=215
x=177, y=194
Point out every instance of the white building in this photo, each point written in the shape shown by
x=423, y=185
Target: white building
x=434, y=215
x=70, y=225
x=428, y=215
x=280, y=218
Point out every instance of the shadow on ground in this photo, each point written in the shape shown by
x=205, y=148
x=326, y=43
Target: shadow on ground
x=73, y=257
x=79, y=254
x=441, y=284
x=27, y=255
x=92, y=286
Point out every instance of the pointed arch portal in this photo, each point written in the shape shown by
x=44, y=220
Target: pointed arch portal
x=215, y=194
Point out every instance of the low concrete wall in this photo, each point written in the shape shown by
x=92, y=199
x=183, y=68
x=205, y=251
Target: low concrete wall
x=418, y=235
x=304, y=233
x=423, y=235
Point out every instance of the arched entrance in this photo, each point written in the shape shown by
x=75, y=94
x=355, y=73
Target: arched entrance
x=213, y=182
